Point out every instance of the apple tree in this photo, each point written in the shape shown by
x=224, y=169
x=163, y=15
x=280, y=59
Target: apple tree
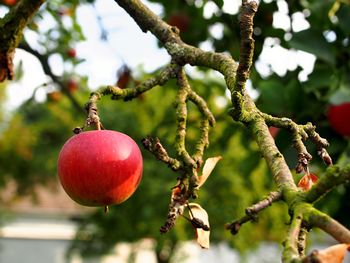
x=276, y=157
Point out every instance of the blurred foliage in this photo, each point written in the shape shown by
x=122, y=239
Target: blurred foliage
x=31, y=137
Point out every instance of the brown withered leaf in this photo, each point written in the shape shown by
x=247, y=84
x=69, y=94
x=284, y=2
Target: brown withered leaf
x=200, y=220
x=208, y=167
x=332, y=254
x=307, y=181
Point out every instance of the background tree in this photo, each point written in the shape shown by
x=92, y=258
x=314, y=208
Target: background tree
x=241, y=178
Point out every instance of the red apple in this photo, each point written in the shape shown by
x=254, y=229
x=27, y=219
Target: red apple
x=54, y=96
x=100, y=167
x=339, y=118
x=9, y=2
x=274, y=131
x=72, y=53
x=181, y=21
x=72, y=85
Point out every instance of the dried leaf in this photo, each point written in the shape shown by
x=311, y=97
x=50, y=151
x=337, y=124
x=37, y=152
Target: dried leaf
x=333, y=254
x=124, y=77
x=208, y=167
x=200, y=220
x=307, y=181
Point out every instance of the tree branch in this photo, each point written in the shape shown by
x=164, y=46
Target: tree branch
x=248, y=10
x=11, y=30
x=301, y=133
x=154, y=146
x=44, y=60
x=130, y=93
x=291, y=248
x=252, y=211
x=323, y=221
x=245, y=111
x=148, y=21
x=333, y=177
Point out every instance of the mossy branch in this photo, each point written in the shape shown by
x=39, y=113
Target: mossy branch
x=323, y=221
x=333, y=177
x=301, y=133
x=303, y=218
x=154, y=146
x=245, y=111
x=116, y=93
x=11, y=31
x=248, y=10
x=253, y=211
x=291, y=245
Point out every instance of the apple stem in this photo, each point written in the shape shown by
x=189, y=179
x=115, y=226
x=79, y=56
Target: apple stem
x=93, y=117
x=98, y=125
x=106, y=209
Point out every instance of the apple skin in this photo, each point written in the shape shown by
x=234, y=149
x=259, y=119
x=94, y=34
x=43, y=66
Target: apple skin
x=181, y=21
x=339, y=118
x=100, y=167
x=72, y=85
x=72, y=53
x=10, y=2
x=274, y=131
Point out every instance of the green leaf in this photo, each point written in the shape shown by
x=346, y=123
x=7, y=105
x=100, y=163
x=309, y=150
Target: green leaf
x=219, y=3
x=344, y=18
x=312, y=41
x=272, y=96
x=341, y=95
x=319, y=79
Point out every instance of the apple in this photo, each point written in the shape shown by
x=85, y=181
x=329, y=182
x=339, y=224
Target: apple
x=100, y=167
x=72, y=53
x=339, y=118
x=181, y=21
x=72, y=85
x=10, y=2
x=274, y=131
x=54, y=96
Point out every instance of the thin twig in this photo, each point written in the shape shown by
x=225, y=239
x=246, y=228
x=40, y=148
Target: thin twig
x=44, y=60
x=154, y=146
x=300, y=134
x=333, y=177
x=252, y=211
x=130, y=93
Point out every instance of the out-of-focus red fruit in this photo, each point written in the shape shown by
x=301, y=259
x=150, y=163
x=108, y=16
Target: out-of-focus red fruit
x=181, y=21
x=54, y=96
x=274, y=131
x=124, y=76
x=72, y=85
x=72, y=53
x=9, y=2
x=100, y=168
x=339, y=118
x=64, y=11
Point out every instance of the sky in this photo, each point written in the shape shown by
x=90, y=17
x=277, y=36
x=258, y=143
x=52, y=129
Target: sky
x=128, y=44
